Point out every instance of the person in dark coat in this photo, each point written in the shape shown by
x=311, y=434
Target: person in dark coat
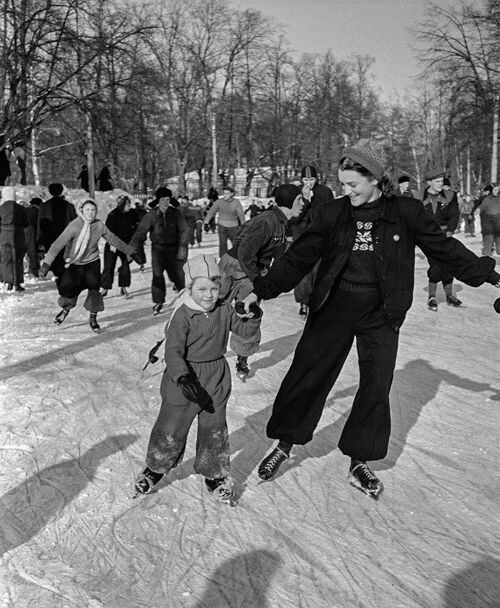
x=53, y=217
x=104, y=180
x=403, y=188
x=30, y=235
x=442, y=204
x=122, y=222
x=313, y=195
x=5, y=171
x=257, y=243
x=13, y=221
x=364, y=288
x=169, y=235
x=83, y=176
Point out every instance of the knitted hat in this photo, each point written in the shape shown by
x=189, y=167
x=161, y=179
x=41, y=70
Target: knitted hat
x=286, y=194
x=8, y=194
x=163, y=192
x=309, y=171
x=203, y=265
x=403, y=179
x=367, y=154
x=488, y=188
x=434, y=173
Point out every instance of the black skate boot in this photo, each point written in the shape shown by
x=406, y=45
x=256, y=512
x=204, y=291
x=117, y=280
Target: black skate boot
x=453, y=301
x=363, y=478
x=272, y=462
x=146, y=481
x=222, y=489
x=242, y=369
x=94, y=325
x=157, y=309
x=124, y=292
x=61, y=315
x=432, y=304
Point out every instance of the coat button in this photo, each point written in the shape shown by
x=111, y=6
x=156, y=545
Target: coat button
x=396, y=237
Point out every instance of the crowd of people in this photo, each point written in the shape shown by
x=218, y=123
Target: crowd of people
x=349, y=259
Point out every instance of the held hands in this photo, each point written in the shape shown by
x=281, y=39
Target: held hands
x=193, y=391
x=249, y=308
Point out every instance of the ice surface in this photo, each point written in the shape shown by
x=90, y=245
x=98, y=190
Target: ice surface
x=76, y=412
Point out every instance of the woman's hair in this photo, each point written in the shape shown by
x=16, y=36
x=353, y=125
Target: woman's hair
x=384, y=184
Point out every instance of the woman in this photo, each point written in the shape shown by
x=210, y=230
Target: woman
x=82, y=268
x=122, y=222
x=364, y=287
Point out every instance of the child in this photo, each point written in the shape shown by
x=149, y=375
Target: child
x=82, y=268
x=196, y=382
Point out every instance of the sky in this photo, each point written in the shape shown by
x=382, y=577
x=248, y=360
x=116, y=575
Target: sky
x=380, y=28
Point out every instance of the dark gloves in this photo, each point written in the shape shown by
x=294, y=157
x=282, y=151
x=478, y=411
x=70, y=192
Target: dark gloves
x=135, y=255
x=254, y=309
x=44, y=269
x=193, y=391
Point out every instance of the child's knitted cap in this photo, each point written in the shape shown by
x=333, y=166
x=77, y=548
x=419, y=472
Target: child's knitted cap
x=201, y=266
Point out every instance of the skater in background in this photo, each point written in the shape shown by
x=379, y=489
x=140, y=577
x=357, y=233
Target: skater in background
x=104, y=179
x=196, y=382
x=442, y=204
x=5, y=171
x=258, y=242
x=13, y=221
x=230, y=216
x=82, y=264
x=83, y=178
x=194, y=219
x=122, y=222
x=490, y=222
x=313, y=195
x=53, y=216
x=30, y=235
x=465, y=205
x=403, y=188
x=364, y=288
x=169, y=236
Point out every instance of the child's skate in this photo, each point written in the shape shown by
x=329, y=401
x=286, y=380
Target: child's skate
x=363, y=478
x=146, y=481
x=222, y=489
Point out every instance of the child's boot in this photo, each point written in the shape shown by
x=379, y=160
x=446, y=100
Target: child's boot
x=146, y=481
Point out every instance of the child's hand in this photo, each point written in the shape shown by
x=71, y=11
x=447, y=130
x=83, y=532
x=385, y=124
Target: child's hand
x=193, y=391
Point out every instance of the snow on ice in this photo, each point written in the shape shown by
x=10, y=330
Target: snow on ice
x=76, y=411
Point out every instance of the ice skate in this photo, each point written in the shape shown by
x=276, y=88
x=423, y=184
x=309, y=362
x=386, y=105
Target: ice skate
x=104, y=292
x=432, y=304
x=157, y=309
x=61, y=315
x=271, y=463
x=146, y=481
x=222, y=489
x=94, y=325
x=124, y=292
x=242, y=369
x=362, y=477
x=453, y=301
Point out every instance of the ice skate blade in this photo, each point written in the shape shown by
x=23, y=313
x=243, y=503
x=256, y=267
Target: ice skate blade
x=371, y=493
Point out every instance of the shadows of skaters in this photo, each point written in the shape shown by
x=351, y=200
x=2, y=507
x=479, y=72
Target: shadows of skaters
x=477, y=586
x=33, y=503
x=243, y=580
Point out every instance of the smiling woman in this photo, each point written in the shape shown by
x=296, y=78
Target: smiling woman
x=365, y=244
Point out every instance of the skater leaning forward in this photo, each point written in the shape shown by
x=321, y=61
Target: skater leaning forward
x=196, y=381
x=366, y=242
x=82, y=265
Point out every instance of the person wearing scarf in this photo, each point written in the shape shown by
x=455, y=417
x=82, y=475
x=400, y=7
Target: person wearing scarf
x=82, y=265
